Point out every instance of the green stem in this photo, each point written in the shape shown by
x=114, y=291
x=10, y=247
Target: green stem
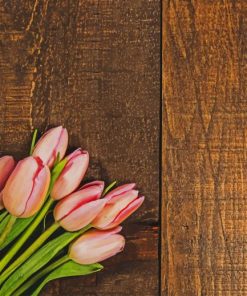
x=24, y=256
x=7, y=229
x=3, y=215
x=109, y=187
x=37, y=261
x=42, y=273
x=25, y=236
x=33, y=141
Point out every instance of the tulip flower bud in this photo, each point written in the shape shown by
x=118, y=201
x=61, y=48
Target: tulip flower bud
x=26, y=188
x=72, y=174
x=95, y=246
x=7, y=164
x=78, y=209
x=121, y=203
x=120, y=190
x=54, y=141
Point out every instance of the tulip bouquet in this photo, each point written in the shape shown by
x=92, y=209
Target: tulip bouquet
x=86, y=225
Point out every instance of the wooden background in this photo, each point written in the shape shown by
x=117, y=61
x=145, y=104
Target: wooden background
x=204, y=237
x=93, y=66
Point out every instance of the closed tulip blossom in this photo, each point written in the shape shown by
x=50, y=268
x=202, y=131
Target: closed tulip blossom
x=26, y=188
x=72, y=174
x=54, y=141
x=121, y=203
x=78, y=209
x=7, y=165
x=96, y=246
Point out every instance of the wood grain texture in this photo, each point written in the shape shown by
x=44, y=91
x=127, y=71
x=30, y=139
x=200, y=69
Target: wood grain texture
x=204, y=237
x=94, y=67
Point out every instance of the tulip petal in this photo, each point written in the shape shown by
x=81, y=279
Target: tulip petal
x=77, y=199
x=96, y=234
x=120, y=190
x=37, y=197
x=62, y=144
x=72, y=174
x=125, y=213
x=82, y=216
x=100, y=183
x=7, y=164
x=1, y=201
x=50, y=144
x=15, y=194
x=99, y=250
x=26, y=188
x=113, y=207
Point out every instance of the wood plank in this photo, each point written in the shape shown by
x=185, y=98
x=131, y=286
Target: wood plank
x=15, y=87
x=204, y=148
x=92, y=66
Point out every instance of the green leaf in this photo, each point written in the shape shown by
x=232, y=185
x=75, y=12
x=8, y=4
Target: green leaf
x=56, y=173
x=44, y=220
x=109, y=187
x=68, y=269
x=3, y=215
x=38, y=260
x=33, y=141
x=57, y=159
x=4, y=222
x=7, y=229
x=20, y=225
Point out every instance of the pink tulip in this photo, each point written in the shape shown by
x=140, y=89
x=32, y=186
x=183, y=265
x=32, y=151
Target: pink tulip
x=121, y=203
x=54, y=141
x=120, y=190
x=79, y=208
x=72, y=174
x=26, y=188
x=95, y=246
x=7, y=165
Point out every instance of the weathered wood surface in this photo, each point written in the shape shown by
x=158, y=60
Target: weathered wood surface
x=92, y=66
x=204, y=241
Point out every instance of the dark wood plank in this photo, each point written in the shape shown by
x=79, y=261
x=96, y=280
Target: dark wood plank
x=204, y=148
x=92, y=66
